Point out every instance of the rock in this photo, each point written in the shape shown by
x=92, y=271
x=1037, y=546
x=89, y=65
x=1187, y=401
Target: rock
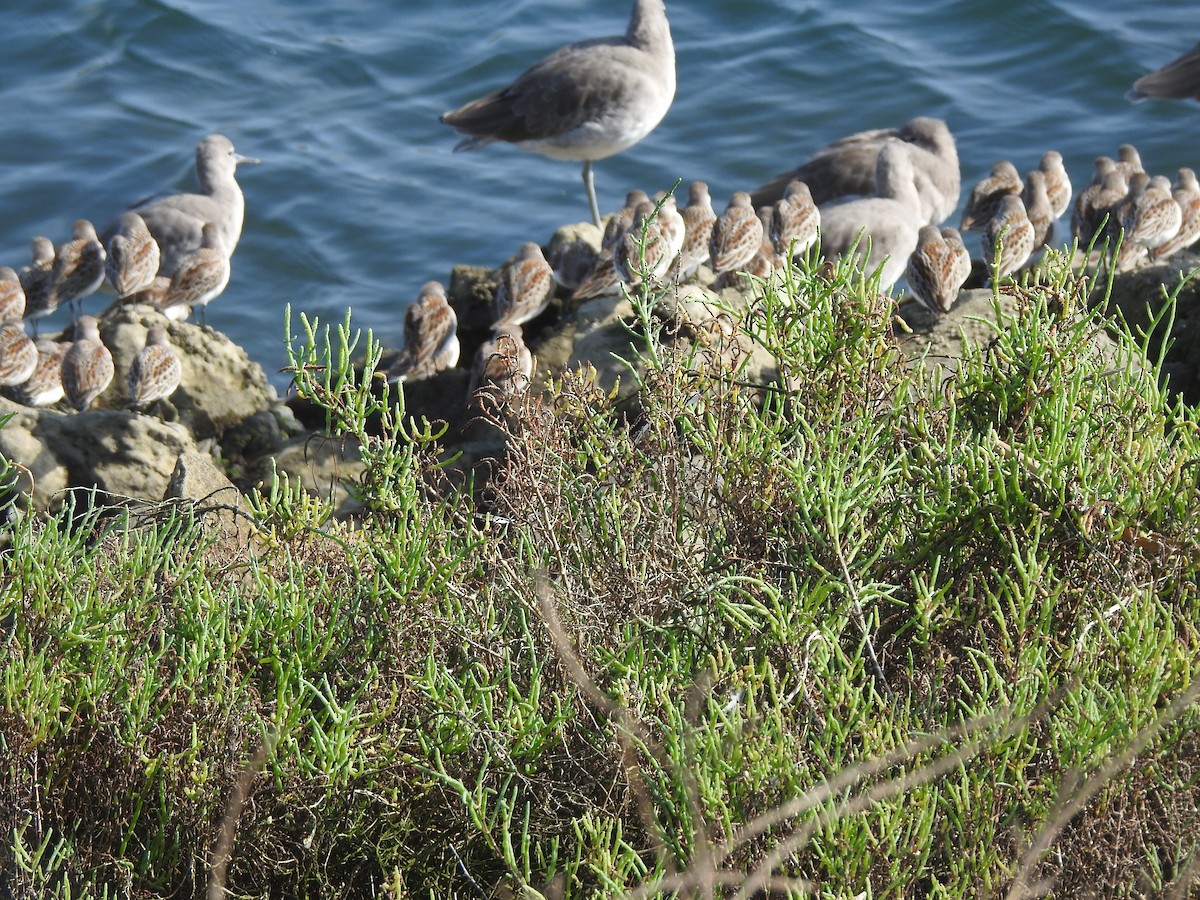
x=41, y=475
x=124, y=454
x=198, y=480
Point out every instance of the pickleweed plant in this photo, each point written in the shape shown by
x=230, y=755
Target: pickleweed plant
x=360, y=405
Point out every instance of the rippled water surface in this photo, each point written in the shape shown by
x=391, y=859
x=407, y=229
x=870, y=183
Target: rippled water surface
x=359, y=200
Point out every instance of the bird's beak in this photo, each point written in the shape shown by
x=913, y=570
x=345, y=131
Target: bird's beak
x=245, y=160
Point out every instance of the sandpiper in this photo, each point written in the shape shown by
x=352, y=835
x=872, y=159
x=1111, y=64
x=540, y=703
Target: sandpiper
x=586, y=101
x=1058, y=182
x=1008, y=237
x=1037, y=207
x=737, y=235
x=18, y=355
x=37, y=281
x=87, y=368
x=1187, y=194
x=44, y=387
x=155, y=372
x=526, y=286
x=984, y=198
x=12, y=296
x=201, y=276
x=133, y=256
x=78, y=269
x=938, y=267
x=698, y=220
x=430, y=337
x=796, y=222
x=503, y=367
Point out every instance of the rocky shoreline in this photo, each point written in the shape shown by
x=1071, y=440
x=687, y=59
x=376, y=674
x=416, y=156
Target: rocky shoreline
x=227, y=411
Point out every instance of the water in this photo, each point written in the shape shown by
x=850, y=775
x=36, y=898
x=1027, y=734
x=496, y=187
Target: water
x=359, y=200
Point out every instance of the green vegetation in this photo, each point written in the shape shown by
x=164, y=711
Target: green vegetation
x=857, y=633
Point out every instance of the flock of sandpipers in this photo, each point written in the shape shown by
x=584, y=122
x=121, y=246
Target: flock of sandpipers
x=882, y=193
x=169, y=252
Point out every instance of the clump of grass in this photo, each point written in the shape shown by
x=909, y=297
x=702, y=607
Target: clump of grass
x=848, y=632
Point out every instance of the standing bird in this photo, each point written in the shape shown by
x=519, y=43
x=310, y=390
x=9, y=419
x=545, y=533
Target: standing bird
x=133, y=256
x=847, y=168
x=526, y=286
x=1129, y=161
x=632, y=258
x=12, y=296
x=18, y=354
x=1037, y=207
x=430, y=337
x=1187, y=195
x=698, y=220
x=201, y=275
x=795, y=223
x=1150, y=215
x=586, y=101
x=177, y=220
x=985, y=197
x=1098, y=201
x=882, y=228
x=155, y=372
x=1009, y=236
x=78, y=269
x=737, y=235
x=44, y=387
x=37, y=281
x=938, y=268
x=503, y=367
x=1177, y=80
x=1058, y=182
x=87, y=368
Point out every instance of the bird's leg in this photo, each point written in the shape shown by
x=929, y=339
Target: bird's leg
x=590, y=183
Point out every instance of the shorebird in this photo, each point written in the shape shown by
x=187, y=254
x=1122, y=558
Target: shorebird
x=1187, y=194
x=503, y=367
x=586, y=101
x=632, y=258
x=795, y=223
x=1129, y=161
x=1150, y=215
x=526, y=286
x=201, y=275
x=884, y=228
x=698, y=220
x=1058, y=182
x=133, y=256
x=430, y=337
x=87, y=367
x=847, y=167
x=177, y=220
x=737, y=235
x=938, y=268
x=985, y=196
x=155, y=372
x=1037, y=207
x=18, y=355
x=37, y=281
x=1098, y=200
x=1177, y=80
x=12, y=296
x=78, y=269
x=1008, y=238
x=44, y=387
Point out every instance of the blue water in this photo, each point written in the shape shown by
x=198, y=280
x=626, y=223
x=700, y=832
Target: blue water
x=359, y=200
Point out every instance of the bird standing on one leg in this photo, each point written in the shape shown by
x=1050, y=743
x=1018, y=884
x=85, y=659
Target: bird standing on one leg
x=586, y=101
